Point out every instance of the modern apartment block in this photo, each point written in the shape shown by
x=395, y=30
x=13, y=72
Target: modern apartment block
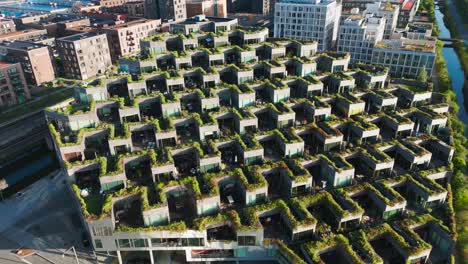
x=212, y=8
x=124, y=38
x=418, y=30
x=405, y=58
x=7, y=26
x=358, y=35
x=316, y=20
x=35, y=59
x=13, y=86
x=84, y=55
x=166, y=10
x=227, y=146
x=388, y=11
x=408, y=9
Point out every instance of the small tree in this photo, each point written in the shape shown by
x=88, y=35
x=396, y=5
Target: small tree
x=422, y=77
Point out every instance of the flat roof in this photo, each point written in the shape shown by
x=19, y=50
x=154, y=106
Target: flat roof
x=80, y=36
x=405, y=44
x=24, y=45
x=17, y=33
x=408, y=5
x=130, y=23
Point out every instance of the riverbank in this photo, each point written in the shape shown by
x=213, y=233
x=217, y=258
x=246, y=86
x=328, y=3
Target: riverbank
x=452, y=87
x=454, y=24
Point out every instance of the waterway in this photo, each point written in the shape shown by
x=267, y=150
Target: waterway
x=454, y=69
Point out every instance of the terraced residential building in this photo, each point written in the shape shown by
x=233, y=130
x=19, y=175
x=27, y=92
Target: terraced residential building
x=229, y=146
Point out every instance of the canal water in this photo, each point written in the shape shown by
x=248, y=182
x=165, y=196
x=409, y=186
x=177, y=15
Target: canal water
x=455, y=70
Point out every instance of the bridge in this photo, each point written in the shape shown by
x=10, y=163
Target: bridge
x=448, y=42
x=450, y=39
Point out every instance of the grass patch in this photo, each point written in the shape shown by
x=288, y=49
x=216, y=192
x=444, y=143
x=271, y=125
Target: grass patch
x=458, y=187
x=94, y=204
x=31, y=107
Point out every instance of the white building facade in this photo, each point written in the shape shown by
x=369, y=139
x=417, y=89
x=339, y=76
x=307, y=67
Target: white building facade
x=316, y=20
x=358, y=35
x=405, y=58
x=389, y=11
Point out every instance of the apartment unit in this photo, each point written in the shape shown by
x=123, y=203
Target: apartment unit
x=212, y=8
x=388, y=11
x=124, y=38
x=13, y=86
x=358, y=35
x=316, y=20
x=166, y=10
x=36, y=60
x=7, y=26
x=405, y=58
x=84, y=55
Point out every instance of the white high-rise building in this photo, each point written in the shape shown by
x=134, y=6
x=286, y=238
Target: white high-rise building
x=387, y=10
x=358, y=35
x=316, y=20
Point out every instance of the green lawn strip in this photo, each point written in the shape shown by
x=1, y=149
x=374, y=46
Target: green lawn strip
x=45, y=101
